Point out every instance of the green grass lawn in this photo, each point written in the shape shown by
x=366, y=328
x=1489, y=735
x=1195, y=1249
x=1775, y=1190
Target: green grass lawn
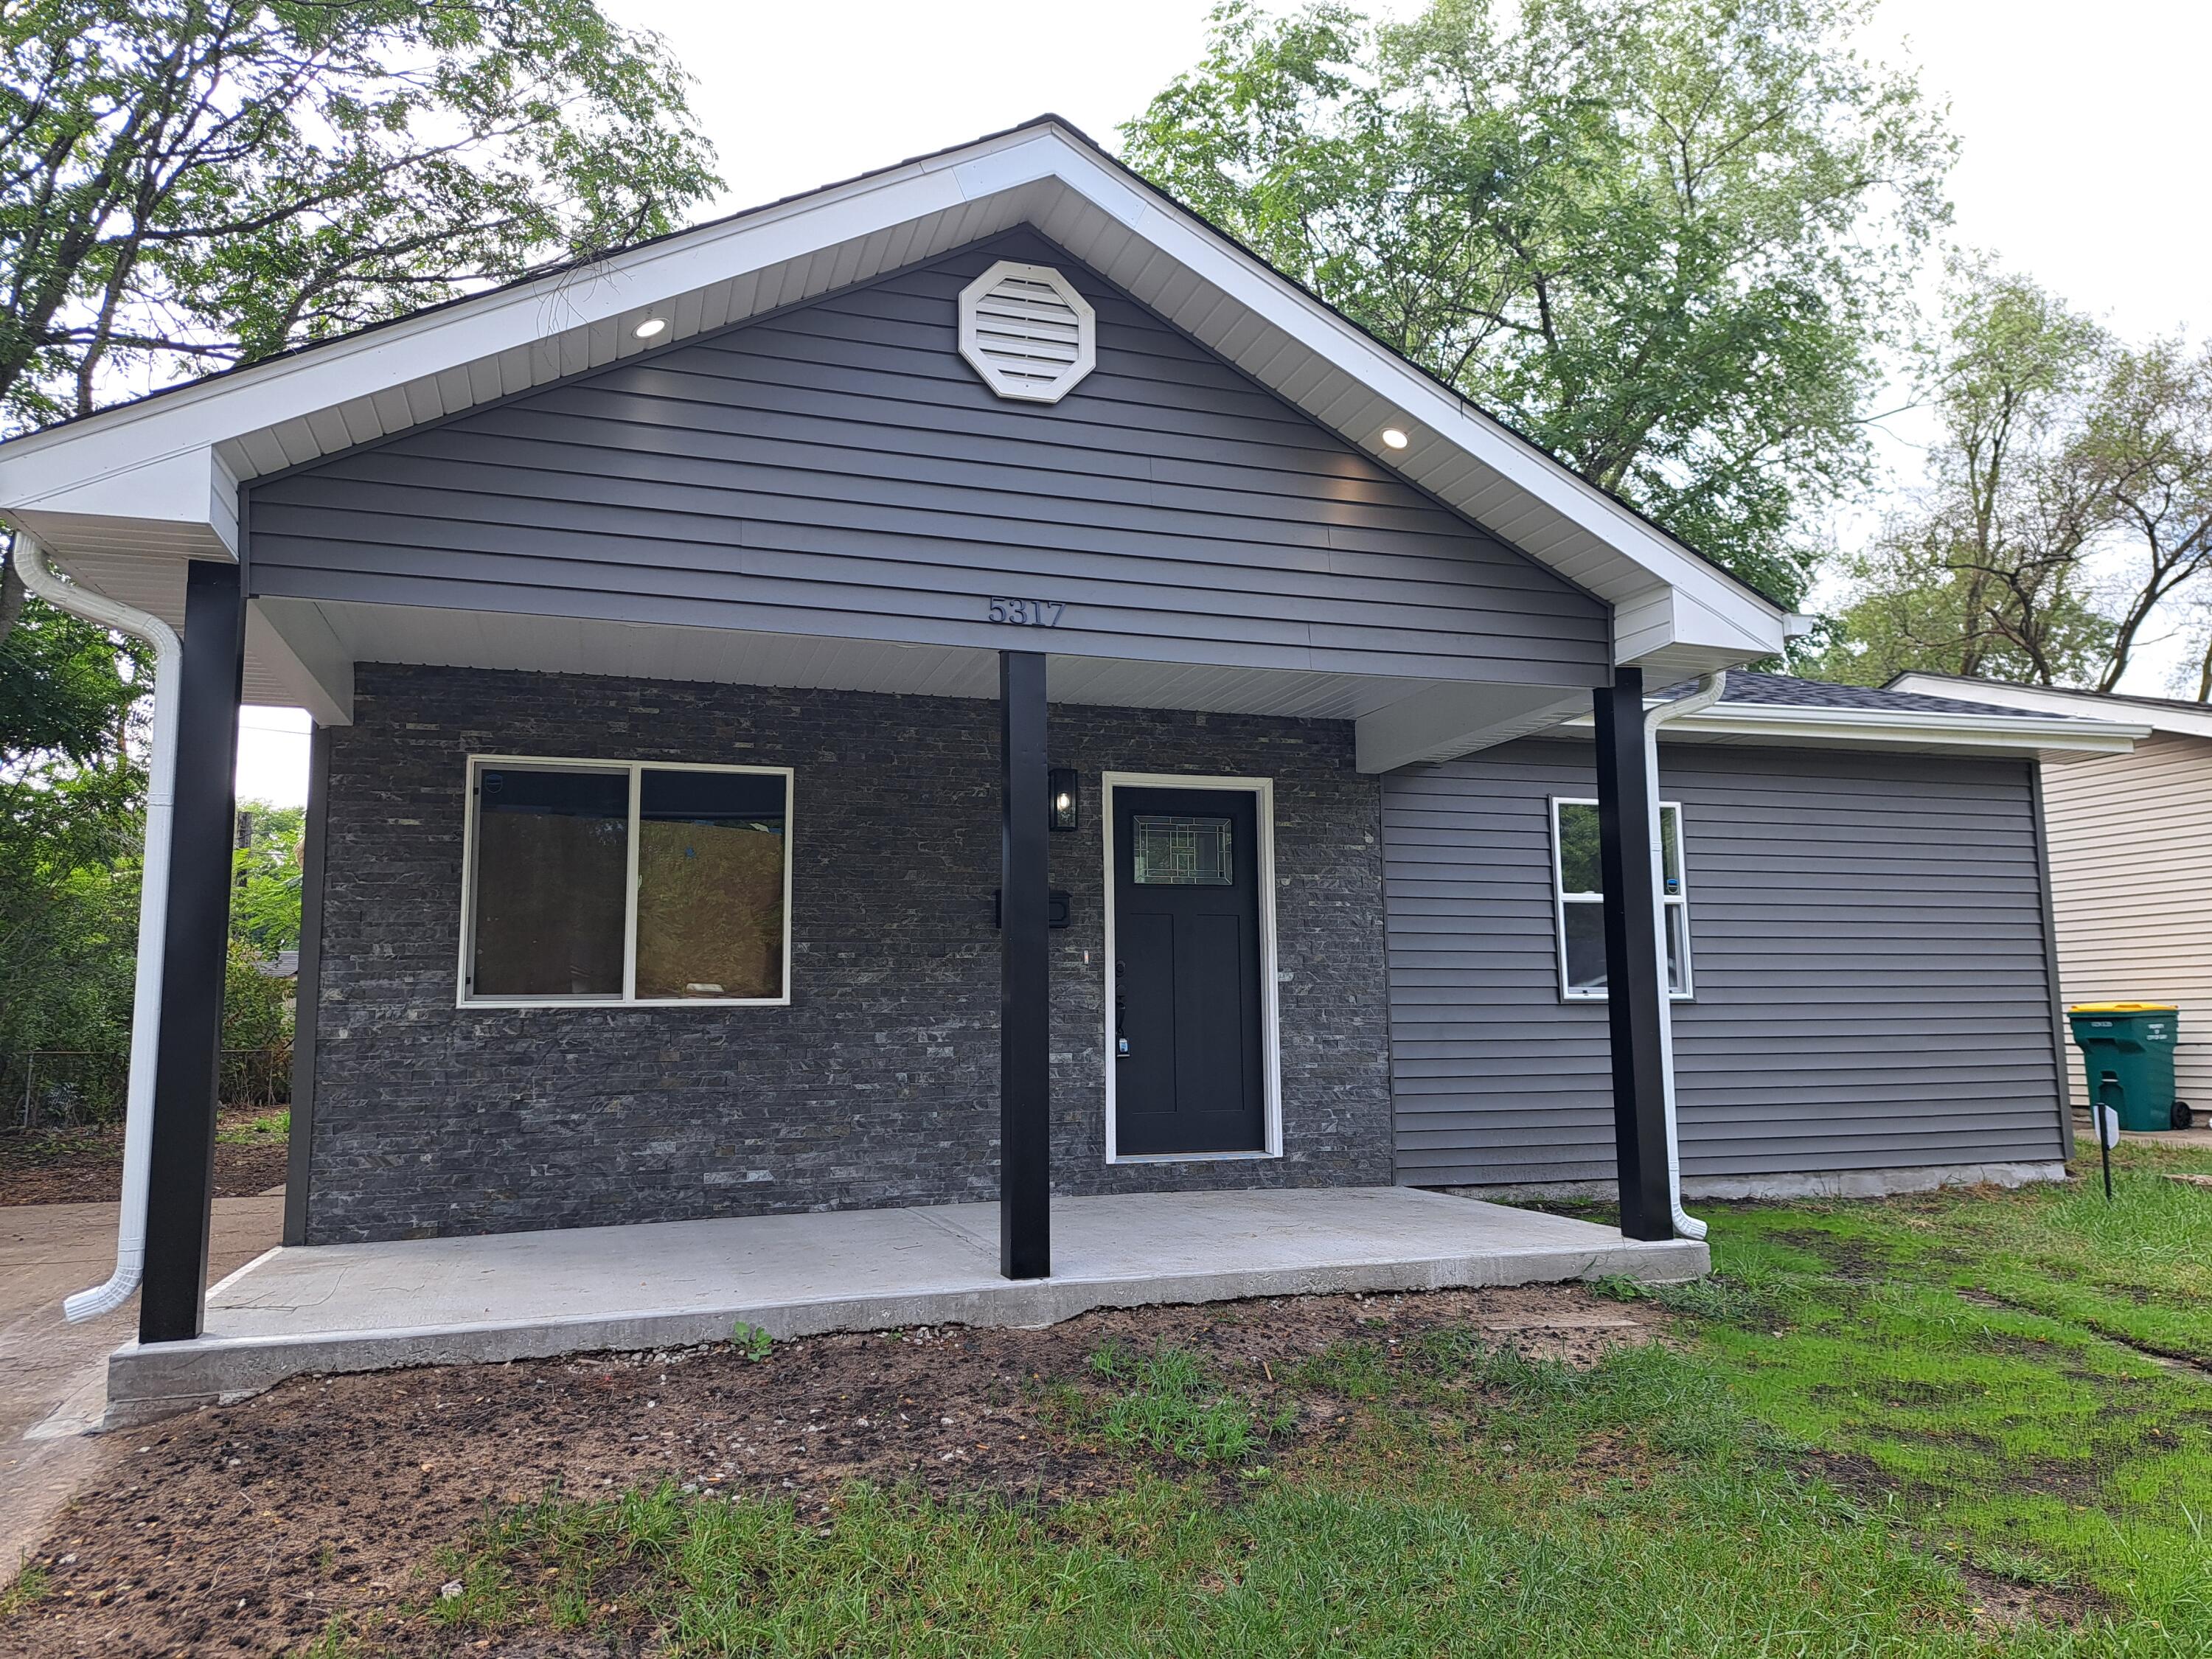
x=1880, y=1423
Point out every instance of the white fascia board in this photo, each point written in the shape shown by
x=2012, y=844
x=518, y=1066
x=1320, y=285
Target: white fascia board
x=185, y=492
x=1906, y=728
x=1995, y=732
x=2049, y=701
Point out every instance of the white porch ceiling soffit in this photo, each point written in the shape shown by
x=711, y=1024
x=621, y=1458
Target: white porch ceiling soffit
x=120, y=497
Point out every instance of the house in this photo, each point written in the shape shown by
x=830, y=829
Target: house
x=968, y=685
x=2130, y=861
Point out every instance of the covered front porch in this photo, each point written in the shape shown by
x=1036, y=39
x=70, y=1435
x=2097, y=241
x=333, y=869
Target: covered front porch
x=759, y=514
x=516, y=1296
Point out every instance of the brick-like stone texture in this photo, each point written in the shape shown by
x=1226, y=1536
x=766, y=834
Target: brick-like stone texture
x=879, y=1085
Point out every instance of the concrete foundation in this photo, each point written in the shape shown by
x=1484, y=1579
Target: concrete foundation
x=1824, y=1183
x=514, y=1296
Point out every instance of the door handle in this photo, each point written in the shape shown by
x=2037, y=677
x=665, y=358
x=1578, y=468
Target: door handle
x=1121, y=1012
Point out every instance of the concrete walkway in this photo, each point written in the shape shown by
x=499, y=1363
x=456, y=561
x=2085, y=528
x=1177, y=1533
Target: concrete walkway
x=366, y=1307
x=53, y=1374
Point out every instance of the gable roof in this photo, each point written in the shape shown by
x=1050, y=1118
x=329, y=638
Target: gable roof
x=158, y=477
x=2158, y=714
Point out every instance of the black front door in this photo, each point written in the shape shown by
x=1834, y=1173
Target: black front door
x=1187, y=1075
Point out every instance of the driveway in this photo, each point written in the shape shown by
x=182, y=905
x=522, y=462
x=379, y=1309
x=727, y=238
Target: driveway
x=53, y=1374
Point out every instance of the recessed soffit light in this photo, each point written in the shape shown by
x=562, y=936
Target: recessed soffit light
x=1395, y=437
x=649, y=327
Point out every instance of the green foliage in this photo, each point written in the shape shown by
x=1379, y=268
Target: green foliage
x=257, y=1006
x=67, y=690
x=2068, y=504
x=68, y=905
x=265, y=895
x=32, y=1586
x=1164, y=1401
x=272, y=1130
x=750, y=1341
x=188, y=185
x=1661, y=238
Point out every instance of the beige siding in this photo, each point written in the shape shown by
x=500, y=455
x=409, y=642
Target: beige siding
x=2132, y=889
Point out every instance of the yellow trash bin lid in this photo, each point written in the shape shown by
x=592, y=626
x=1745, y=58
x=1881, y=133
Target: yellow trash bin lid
x=2123, y=1008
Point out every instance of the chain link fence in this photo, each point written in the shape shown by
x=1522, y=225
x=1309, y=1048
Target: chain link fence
x=72, y=1089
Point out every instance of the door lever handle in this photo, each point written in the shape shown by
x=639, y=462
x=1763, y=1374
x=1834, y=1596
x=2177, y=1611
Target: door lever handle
x=1121, y=1012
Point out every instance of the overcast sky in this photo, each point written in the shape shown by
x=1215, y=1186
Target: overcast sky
x=2084, y=159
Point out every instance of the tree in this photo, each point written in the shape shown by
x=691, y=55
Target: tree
x=2148, y=440
x=2068, y=503
x=264, y=898
x=190, y=185
x=1662, y=238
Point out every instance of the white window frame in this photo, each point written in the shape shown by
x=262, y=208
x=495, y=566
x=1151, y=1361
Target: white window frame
x=1271, y=1061
x=635, y=770
x=1680, y=901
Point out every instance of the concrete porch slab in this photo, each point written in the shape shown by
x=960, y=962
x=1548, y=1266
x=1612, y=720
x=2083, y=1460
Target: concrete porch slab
x=516, y=1296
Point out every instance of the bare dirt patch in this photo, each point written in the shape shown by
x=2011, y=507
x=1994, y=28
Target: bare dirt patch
x=85, y=1166
x=2006, y=1604
x=247, y=1529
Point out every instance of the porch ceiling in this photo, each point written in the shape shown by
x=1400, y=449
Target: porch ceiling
x=307, y=649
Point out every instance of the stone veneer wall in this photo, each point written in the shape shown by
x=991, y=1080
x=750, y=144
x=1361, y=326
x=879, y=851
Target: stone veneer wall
x=878, y=1085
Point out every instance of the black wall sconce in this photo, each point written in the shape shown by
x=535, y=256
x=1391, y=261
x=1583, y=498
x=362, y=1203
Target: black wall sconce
x=1062, y=798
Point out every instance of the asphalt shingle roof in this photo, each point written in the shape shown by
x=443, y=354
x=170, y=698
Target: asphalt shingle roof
x=1746, y=687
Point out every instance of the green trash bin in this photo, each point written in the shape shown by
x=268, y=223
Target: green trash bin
x=2127, y=1051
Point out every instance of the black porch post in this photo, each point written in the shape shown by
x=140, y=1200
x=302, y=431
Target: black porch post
x=1024, y=965
x=1635, y=978
x=189, y=1050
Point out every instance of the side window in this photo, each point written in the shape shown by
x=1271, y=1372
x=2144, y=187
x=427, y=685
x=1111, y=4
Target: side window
x=613, y=883
x=1580, y=900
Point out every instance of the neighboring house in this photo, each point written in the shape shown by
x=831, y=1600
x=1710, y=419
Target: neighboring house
x=706, y=644
x=2130, y=862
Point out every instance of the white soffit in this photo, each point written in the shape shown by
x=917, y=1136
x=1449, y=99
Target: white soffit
x=159, y=477
x=328, y=638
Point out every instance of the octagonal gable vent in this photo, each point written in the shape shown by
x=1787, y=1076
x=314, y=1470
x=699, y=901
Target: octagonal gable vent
x=1027, y=332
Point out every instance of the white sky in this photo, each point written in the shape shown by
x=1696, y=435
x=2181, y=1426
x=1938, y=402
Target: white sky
x=2083, y=158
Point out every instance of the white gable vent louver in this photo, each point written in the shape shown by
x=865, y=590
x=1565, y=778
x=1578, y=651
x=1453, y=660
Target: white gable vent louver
x=1027, y=332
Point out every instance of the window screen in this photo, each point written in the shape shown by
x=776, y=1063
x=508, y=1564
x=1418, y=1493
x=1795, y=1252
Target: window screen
x=553, y=914
x=551, y=857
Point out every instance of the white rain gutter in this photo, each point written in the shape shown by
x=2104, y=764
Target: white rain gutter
x=1707, y=693
x=41, y=578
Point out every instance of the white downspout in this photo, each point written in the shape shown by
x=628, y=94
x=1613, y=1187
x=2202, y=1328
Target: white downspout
x=41, y=578
x=1706, y=693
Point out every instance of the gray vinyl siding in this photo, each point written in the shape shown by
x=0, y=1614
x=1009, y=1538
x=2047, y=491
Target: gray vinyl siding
x=837, y=469
x=1866, y=941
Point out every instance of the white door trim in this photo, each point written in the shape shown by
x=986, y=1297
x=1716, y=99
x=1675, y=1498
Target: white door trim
x=1271, y=1066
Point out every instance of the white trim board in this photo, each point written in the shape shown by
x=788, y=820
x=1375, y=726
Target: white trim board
x=160, y=472
x=1271, y=1059
x=636, y=769
x=2113, y=708
x=1924, y=731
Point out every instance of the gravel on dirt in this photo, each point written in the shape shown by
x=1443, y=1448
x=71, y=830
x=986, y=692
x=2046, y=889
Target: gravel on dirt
x=247, y=1529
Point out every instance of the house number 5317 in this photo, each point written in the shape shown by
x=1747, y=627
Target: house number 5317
x=1028, y=613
